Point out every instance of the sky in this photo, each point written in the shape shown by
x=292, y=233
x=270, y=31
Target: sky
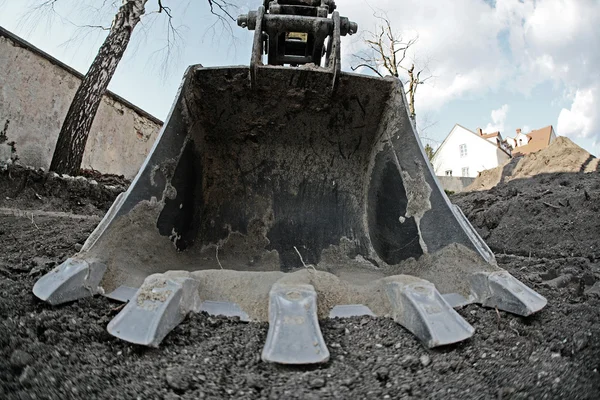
x=494, y=64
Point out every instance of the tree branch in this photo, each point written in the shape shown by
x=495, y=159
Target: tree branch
x=367, y=66
x=222, y=5
x=389, y=52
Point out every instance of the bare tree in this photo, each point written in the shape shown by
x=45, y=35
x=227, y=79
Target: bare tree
x=429, y=151
x=388, y=52
x=75, y=130
x=72, y=139
x=425, y=122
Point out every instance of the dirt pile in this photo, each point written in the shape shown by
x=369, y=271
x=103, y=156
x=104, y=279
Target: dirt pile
x=548, y=215
x=561, y=156
x=66, y=353
x=30, y=189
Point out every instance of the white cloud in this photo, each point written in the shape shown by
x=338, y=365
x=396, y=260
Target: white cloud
x=582, y=120
x=562, y=43
x=458, y=39
x=475, y=49
x=498, y=120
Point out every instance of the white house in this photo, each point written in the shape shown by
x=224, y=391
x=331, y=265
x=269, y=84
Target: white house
x=534, y=141
x=520, y=139
x=466, y=153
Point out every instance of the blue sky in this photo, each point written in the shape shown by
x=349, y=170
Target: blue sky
x=498, y=65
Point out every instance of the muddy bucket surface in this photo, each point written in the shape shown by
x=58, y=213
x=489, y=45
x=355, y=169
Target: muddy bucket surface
x=261, y=176
x=321, y=199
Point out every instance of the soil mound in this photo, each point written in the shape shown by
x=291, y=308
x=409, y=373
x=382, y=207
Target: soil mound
x=561, y=156
x=66, y=353
x=30, y=189
x=548, y=215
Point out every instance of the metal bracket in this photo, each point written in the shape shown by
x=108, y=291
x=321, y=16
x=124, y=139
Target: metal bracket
x=257, y=46
x=296, y=35
x=334, y=58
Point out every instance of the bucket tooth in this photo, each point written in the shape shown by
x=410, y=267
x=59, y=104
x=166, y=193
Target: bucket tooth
x=72, y=280
x=158, y=307
x=501, y=290
x=294, y=335
x=420, y=308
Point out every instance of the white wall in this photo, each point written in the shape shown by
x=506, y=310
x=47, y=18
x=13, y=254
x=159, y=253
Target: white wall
x=456, y=184
x=521, y=139
x=35, y=94
x=481, y=154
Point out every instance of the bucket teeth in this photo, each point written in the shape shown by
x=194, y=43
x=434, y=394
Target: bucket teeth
x=72, y=280
x=501, y=290
x=157, y=308
x=420, y=308
x=294, y=335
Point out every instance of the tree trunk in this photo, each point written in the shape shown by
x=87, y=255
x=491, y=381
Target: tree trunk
x=75, y=130
x=412, y=88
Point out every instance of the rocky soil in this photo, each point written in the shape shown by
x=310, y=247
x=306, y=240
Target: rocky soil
x=544, y=230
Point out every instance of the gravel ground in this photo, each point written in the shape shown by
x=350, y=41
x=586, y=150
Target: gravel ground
x=65, y=352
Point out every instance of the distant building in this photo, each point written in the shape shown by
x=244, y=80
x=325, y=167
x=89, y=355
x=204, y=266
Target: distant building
x=465, y=153
x=534, y=141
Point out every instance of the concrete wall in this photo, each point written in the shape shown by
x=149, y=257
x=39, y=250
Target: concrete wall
x=455, y=184
x=481, y=154
x=35, y=94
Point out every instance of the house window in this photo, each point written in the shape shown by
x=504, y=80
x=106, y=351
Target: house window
x=463, y=150
x=449, y=172
x=465, y=171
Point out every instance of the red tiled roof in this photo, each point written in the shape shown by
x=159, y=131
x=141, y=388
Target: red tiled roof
x=539, y=139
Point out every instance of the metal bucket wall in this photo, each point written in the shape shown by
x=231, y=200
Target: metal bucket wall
x=287, y=202
x=278, y=176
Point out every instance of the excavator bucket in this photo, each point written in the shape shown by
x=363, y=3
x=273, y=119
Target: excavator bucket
x=288, y=195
